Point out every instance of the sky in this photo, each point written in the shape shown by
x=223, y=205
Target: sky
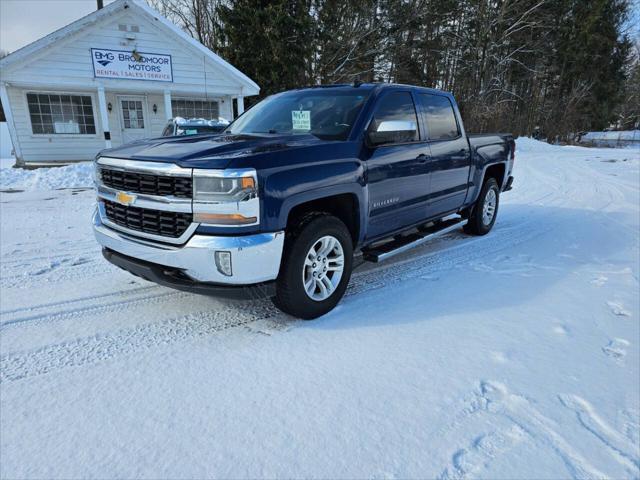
x=24, y=21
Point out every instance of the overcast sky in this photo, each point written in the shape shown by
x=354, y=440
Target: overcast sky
x=23, y=21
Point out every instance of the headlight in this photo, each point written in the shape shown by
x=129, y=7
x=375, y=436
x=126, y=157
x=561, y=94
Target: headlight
x=223, y=189
x=226, y=197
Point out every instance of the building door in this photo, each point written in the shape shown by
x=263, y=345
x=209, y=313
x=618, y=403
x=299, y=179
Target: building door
x=133, y=122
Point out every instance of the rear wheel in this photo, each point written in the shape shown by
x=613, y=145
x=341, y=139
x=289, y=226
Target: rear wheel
x=483, y=214
x=316, y=267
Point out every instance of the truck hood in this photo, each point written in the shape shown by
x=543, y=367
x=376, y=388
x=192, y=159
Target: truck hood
x=207, y=151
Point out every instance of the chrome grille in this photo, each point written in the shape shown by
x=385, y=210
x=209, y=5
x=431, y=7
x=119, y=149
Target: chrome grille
x=157, y=222
x=145, y=183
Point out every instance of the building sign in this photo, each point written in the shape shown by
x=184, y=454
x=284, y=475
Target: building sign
x=126, y=65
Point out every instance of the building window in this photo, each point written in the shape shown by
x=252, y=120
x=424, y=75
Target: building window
x=132, y=114
x=59, y=114
x=206, y=109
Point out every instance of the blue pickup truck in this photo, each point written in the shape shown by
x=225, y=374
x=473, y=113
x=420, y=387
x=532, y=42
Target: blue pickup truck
x=279, y=204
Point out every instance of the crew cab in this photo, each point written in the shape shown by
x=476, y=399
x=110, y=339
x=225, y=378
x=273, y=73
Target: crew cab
x=280, y=202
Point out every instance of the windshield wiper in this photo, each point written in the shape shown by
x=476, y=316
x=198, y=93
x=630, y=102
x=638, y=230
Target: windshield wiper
x=263, y=133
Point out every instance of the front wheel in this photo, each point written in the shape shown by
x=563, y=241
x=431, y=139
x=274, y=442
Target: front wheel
x=484, y=212
x=316, y=267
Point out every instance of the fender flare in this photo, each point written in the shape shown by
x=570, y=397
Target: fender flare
x=354, y=189
x=479, y=176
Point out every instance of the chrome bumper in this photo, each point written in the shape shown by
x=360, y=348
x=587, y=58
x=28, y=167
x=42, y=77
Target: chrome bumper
x=254, y=258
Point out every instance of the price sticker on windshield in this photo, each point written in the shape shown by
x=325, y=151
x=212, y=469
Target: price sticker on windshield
x=301, y=120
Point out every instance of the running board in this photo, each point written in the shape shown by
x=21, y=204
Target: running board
x=395, y=247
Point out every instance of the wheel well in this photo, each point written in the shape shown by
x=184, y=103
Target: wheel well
x=345, y=207
x=496, y=171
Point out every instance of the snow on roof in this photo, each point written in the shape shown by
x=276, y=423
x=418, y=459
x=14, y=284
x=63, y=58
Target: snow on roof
x=201, y=121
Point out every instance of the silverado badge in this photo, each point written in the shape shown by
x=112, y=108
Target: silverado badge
x=125, y=198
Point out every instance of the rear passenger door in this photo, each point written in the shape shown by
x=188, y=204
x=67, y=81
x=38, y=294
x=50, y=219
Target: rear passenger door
x=450, y=155
x=397, y=175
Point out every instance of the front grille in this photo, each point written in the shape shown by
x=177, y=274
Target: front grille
x=157, y=222
x=146, y=183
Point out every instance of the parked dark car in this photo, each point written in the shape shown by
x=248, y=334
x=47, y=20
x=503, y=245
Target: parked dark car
x=193, y=126
x=278, y=204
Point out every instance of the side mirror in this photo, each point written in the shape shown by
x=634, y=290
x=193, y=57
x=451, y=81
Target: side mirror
x=392, y=131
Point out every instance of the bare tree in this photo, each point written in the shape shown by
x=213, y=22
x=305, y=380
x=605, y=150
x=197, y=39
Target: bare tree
x=199, y=18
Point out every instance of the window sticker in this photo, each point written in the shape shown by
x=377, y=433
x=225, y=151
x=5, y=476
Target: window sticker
x=301, y=120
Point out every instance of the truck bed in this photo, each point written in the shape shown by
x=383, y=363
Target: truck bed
x=483, y=139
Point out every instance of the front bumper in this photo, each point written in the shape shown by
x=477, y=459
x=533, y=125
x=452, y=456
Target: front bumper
x=175, y=278
x=255, y=259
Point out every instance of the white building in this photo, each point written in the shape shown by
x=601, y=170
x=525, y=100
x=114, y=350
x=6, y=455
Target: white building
x=111, y=77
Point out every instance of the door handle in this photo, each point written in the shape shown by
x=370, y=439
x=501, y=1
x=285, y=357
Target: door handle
x=422, y=158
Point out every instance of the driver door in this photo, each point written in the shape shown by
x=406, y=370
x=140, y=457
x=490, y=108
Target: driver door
x=397, y=165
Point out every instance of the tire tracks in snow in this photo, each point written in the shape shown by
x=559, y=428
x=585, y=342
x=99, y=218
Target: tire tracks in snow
x=79, y=248
x=78, y=300
x=67, y=269
x=142, y=337
x=101, y=308
x=103, y=347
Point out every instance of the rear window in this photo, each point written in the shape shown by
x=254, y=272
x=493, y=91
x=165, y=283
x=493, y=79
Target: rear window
x=441, y=121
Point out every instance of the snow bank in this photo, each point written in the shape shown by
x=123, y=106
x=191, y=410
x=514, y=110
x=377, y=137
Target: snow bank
x=527, y=144
x=71, y=176
x=530, y=145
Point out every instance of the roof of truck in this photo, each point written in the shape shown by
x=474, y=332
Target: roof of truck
x=375, y=86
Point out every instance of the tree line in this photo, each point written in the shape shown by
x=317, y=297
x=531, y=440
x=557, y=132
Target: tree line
x=547, y=67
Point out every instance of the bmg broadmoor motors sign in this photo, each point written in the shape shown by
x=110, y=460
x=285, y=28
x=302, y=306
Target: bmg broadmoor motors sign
x=128, y=65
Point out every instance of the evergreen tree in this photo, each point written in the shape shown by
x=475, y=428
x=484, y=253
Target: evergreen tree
x=270, y=41
x=347, y=37
x=562, y=66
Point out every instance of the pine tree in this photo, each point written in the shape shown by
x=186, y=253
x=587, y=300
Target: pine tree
x=270, y=41
x=347, y=37
x=514, y=65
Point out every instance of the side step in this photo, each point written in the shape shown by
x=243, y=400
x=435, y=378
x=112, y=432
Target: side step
x=395, y=247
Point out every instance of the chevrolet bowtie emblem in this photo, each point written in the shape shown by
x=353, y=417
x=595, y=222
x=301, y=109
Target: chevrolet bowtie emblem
x=125, y=198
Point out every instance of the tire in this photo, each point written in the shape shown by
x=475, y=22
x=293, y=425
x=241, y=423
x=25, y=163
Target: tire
x=298, y=268
x=482, y=217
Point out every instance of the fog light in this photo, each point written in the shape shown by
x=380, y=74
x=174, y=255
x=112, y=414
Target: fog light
x=223, y=263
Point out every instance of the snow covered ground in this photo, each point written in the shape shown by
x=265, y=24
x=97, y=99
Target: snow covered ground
x=514, y=355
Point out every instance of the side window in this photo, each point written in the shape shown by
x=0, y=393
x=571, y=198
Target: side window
x=441, y=121
x=168, y=130
x=394, y=120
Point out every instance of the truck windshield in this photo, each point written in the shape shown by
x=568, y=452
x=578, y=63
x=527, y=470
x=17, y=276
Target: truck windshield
x=328, y=114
